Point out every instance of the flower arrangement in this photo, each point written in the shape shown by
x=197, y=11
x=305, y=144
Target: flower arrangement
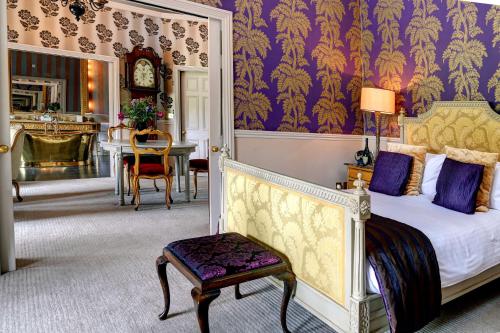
x=141, y=112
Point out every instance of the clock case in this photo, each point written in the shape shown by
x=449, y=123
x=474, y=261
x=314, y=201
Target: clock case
x=130, y=59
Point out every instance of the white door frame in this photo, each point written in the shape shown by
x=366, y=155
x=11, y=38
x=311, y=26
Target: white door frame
x=177, y=72
x=7, y=247
x=219, y=76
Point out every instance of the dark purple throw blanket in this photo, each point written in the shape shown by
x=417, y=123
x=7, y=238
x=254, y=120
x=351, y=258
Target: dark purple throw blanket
x=407, y=272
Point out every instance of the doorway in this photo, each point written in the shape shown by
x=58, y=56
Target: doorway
x=220, y=78
x=193, y=108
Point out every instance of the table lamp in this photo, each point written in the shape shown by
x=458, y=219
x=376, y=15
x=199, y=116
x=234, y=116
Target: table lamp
x=379, y=101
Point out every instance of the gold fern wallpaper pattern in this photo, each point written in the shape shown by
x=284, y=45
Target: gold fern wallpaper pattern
x=450, y=50
x=310, y=231
x=314, y=56
x=110, y=32
x=300, y=64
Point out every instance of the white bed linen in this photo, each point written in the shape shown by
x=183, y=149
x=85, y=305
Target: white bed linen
x=465, y=245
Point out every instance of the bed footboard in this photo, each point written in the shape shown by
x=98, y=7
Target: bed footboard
x=321, y=231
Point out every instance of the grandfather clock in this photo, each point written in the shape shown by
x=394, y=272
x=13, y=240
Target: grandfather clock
x=142, y=72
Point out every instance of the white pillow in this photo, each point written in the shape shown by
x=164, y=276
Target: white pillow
x=433, y=164
x=495, y=189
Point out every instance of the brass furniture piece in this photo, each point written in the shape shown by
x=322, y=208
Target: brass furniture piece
x=148, y=169
x=198, y=165
x=17, y=136
x=352, y=174
x=58, y=141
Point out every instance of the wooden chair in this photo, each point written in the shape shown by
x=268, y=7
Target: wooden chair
x=148, y=169
x=198, y=165
x=17, y=135
x=128, y=160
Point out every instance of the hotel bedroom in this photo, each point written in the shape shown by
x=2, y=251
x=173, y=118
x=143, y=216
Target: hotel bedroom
x=355, y=187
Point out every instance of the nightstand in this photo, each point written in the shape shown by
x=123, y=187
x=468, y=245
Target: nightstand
x=352, y=174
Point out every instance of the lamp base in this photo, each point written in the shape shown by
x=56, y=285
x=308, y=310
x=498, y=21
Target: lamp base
x=377, y=133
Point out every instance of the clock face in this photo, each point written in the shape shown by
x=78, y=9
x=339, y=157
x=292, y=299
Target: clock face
x=144, y=74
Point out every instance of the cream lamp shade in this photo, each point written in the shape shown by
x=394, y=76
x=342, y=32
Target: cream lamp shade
x=378, y=100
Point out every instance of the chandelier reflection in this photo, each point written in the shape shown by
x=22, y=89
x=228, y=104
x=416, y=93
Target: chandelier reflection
x=79, y=7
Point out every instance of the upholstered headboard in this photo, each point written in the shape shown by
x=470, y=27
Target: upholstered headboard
x=471, y=125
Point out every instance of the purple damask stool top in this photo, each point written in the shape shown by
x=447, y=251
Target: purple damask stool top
x=215, y=262
x=217, y=256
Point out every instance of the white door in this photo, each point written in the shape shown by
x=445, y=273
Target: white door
x=195, y=111
x=7, y=253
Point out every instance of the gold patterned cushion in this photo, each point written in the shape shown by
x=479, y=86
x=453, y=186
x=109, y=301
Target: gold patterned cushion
x=417, y=171
x=477, y=157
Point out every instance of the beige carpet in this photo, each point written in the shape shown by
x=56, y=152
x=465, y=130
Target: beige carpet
x=87, y=265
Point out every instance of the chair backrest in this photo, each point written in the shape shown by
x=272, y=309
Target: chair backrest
x=123, y=129
x=163, y=151
x=17, y=135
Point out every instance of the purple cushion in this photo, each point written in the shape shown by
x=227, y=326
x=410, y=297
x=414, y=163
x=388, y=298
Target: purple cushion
x=457, y=186
x=391, y=173
x=221, y=255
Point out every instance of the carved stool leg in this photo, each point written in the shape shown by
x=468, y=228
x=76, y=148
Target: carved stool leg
x=16, y=186
x=289, y=286
x=201, y=304
x=161, y=268
x=237, y=293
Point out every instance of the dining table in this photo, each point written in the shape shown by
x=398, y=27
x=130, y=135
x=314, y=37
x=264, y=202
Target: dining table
x=120, y=148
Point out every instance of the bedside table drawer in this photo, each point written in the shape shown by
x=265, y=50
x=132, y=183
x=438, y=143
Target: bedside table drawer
x=353, y=174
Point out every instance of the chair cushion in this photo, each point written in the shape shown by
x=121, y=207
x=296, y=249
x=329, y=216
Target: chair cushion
x=198, y=163
x=221, y=255
x=151, y=169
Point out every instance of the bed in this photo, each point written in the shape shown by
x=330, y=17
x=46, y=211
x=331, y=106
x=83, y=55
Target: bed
x=322, y=230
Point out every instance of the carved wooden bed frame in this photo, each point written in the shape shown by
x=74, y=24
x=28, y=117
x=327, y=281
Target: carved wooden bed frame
x=322, y=230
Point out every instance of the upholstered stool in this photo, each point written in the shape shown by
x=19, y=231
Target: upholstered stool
x=219, y=261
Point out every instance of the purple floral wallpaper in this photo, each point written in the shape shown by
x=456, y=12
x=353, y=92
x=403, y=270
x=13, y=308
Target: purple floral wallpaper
x=300, y=64
x=296, y=65
x=428, y=50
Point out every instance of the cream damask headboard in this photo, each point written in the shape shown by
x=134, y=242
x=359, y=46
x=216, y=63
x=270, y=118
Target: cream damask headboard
x=471, y=125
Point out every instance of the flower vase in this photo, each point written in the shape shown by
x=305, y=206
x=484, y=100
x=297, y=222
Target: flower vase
x=140, y=127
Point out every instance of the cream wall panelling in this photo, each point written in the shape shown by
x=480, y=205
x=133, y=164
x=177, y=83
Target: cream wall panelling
x=313, y=157
x=316, y=158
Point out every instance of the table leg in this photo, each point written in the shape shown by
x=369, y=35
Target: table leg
x=115, y=166
x=121, y=178
x=178, y=172
x=186, y=175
